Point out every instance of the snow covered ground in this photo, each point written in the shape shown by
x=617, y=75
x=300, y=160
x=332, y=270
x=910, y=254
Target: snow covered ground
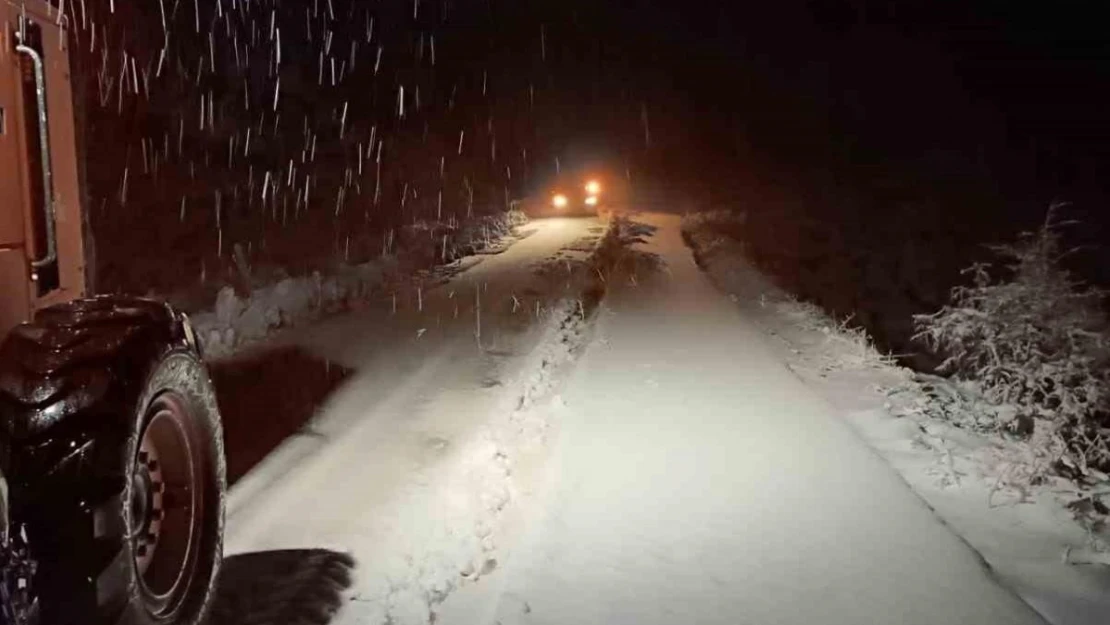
x=697, y=479
x=497, y=458
x=1031, y=541
x=415, y=463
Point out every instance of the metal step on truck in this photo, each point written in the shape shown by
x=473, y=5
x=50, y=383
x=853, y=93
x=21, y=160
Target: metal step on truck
x=112, y=477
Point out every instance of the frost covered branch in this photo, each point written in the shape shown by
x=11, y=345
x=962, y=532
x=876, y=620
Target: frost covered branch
x=1035, y=343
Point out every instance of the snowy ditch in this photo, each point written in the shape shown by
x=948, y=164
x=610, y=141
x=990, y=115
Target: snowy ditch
x=1052, y=557
x=427, y=488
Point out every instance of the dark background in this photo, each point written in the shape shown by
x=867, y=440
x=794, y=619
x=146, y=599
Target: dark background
x=884, y=124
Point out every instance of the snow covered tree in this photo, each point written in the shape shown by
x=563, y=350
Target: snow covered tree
x=1036, y=342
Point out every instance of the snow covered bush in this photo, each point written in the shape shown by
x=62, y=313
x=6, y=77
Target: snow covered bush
x=1036, y=344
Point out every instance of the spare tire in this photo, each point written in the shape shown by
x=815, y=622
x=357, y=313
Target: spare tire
x=110, y=438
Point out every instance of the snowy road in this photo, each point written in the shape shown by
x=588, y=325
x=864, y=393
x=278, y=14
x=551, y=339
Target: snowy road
x=696, y=480
x=405, y=467
x=680, y=473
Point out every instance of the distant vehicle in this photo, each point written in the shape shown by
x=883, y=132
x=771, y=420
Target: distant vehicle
x=571, y=195
x=112, y=478
x=585, y=199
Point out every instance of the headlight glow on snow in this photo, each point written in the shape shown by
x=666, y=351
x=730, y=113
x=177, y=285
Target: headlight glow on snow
x=560, y=201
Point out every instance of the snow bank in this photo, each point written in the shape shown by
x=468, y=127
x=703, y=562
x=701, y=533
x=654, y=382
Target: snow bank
x=1028, y=536
x=235, y=322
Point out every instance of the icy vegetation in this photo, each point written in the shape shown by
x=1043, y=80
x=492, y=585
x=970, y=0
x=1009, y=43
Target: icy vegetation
x=239, y=320
x=1025, y=346
x=1036, y=344
x=1038, y=528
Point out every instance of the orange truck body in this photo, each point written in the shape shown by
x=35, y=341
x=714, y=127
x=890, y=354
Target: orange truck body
x=42, y=249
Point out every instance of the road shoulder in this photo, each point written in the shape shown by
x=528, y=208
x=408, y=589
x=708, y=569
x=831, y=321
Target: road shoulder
x=1030, y=540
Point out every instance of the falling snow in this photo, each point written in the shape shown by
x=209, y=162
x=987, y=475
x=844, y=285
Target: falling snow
x=275, y=106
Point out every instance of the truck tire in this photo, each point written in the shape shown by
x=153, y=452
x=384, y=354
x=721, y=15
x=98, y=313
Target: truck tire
x=173, y=505
x=128, y=529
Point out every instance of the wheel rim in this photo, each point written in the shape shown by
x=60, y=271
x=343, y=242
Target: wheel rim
x=166, y=504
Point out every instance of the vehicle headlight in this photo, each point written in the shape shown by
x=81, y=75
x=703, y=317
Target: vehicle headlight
x=591, y=201
x=593, y=187
x=559, y=201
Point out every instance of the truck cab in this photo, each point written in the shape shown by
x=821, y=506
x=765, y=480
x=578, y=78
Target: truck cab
x=42, y=255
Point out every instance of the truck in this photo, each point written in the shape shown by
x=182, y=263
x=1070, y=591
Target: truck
x=112, y=474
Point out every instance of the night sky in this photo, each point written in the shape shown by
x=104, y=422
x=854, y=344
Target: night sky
x=992, y=110
x=984, y=111
x=973, y=84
